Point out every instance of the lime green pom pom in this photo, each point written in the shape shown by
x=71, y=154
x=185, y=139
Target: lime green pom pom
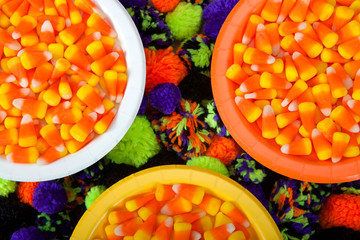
x=185, y=20
x=93, y=194
x=210, y=163
x=138, y=145
x=6, y=187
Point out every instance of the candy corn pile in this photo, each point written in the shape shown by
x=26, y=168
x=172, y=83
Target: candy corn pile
x=62, y=74
x=297, y=72
x=179, y=211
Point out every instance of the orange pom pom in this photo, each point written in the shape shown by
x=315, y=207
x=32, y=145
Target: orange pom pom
x=342, y=210
x=165, y=5
x=163, y=66
x=225, y=149
x=25, y=191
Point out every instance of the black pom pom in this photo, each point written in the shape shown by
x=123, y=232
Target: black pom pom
x=337, y=233
x=196, y=87
x=165, y=157
x=112, y=173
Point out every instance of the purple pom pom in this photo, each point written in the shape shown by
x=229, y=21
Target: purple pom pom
x=164, y=97
x=143, y=106
x=30, y=233
x=215, y=14
x=134, y=3
x=49, y=197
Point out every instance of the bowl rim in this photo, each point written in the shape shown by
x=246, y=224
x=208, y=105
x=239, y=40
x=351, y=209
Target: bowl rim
x=171, y=174
x=297, y=167
x=132, y=46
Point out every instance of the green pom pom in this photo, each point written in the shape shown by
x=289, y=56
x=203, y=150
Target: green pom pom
x=6, y=187
x=138, y=145
x=93, y=194
x=210, y=163
x=185, y=20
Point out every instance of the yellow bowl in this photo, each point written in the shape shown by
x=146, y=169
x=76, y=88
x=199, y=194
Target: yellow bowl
x=94, y=220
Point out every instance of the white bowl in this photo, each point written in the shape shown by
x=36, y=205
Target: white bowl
x=131, y=44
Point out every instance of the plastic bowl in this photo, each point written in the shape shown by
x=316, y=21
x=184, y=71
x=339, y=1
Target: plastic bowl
x=132, y=46
x=94, y=220
x=248, y=136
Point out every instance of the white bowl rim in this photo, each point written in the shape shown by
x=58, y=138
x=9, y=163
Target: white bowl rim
x=132, y=46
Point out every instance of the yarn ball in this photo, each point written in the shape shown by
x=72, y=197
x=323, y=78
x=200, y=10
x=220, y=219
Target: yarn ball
x=14, y=215
x=183, y=131
x=55, y=226
x=337, y=233
x=49, y=197
x=258, y=192
x=153, y=30
x=164, y=97
x=302, y=227
x=25, y=191
x=137, y=146
x=114, y=172
x=215, y=14
x=165, y=5
x=91, y=173
x=185, y=20
x=197, y=51
x=143, y=106
x=210, y=163
x=7, y=187
x=93, y=194
x=29, y=233
x=224, y=149
x=200, y=2
x=214, y=121
x=341, y=210
x=196, y=87
x=163, y=66
x=247, y=170
x=134, y=3
x=164, y=157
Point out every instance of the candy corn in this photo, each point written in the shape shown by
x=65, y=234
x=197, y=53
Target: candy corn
x=190, y=192
x=176, y=206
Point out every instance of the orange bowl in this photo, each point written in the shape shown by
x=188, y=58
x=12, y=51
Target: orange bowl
x=247, y=135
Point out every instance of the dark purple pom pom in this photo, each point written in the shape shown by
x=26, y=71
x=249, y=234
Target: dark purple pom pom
x=30, y=233
x=134, y=3
x=164, y=97
x=49, y=197
x=143, y=106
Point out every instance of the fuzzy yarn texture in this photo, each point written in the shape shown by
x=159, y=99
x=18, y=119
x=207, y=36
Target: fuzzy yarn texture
x=302, y=227
x=25, y=191
x=164, y=97
x=214, y=121
x=197, y=51
x=163, y=66
x=215, y=14
x=29, y=233
x=196, y=87
x=337, y=233
x=153, y=30
x=165, y=5
x=341, y=210
x=183, y=131
x=210, y=163
x=7, y=187
x=137, y=146
x=246, y=169
x=224, y=149
x=49, y=197
x=143, y=106
x=185, y=20
x=258, y=192
x=134, y=3
x=55, y=226
x=93, y=194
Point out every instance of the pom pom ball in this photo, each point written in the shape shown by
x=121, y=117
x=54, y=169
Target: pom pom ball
x=246, y=169
x=49, y=197
x=143, y=106
x=93, y=194
x=185, y=20
x=163, y=66
x=137, y=146
x=215, y=14
x=302, y=227
x=134, y=3
x=164, y=97
x=91, y=173
x=196, y=87
x=165, y=5
x=210, y=163
x=114, y=172
x=164, y=157
x=55, y=226
x=29, y=233
x=25, y=191
x=7, y=187
x=214, y=121
x=224, y=149
x=197, y=51
x=337, y=233
x=183, y=131
x=153, y=30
